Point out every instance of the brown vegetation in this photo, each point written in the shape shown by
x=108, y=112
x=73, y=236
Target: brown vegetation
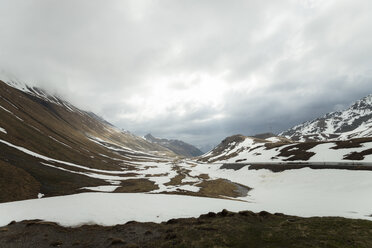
x=54, y=130
x=16, y=184
x=223, y=229
x=136, y=185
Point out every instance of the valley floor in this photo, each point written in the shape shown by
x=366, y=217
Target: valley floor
x=302, y=192
x=157, y=189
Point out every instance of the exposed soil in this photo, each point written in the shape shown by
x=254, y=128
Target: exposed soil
x=224, y=229
x=233, y=166
x=358, y=155
x=292, y=166
x=136, y=186
x=353, y=143
x=283, y=167
x=299, y=153
x=177, y=180
x=222, y=187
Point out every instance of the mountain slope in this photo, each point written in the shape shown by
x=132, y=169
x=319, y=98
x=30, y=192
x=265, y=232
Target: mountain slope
x=48, y=148
x=279, y=150
x=177, y=146
x=53, y=147
x=234, y=146
x=354, y=122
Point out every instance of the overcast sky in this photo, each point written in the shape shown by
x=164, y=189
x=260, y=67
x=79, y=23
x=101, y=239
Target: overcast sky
x=192, y=69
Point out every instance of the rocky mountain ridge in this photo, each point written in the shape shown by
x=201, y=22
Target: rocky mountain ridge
x=353, y=122
x=177, y=146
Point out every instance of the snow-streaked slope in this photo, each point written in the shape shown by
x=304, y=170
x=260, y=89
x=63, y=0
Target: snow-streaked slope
x=55, y=103
x=234, y=145
x=238, y=147
x=250, y=150
x=354, y=122
x=13, y=82
x=44, y=137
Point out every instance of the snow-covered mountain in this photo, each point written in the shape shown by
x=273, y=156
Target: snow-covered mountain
x=177, y=146
x=279, y=150
x=235, y=149
x=354, y=122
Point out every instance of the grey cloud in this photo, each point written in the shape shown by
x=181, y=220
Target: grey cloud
x=307, y=59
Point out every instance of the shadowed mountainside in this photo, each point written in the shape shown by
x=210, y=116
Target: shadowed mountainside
x=31, y=121
x=177, y=146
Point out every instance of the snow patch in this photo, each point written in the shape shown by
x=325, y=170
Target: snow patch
x=113, y=208
x=273, y=139
x=104, y=188
x=3, y=130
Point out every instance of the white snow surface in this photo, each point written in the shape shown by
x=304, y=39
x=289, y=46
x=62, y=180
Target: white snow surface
x=103, y=188
x=3, y=130
x=273, y=139
x=303, y=192
x=112, y=208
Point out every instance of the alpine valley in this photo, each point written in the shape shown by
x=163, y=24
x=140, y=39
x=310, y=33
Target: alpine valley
x=68, y=178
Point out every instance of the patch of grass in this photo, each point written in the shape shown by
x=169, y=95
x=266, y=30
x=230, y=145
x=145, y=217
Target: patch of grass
x=177, y=180
x=136, y=185
x=353, y=143
x=203, y=176
x=358, y=155
x=298, y=151
x=217, y=188
x=16, y=184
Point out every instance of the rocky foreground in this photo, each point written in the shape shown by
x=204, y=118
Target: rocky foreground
x=224, y=229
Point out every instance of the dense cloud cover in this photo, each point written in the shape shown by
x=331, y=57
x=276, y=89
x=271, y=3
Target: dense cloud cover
x=190, y=69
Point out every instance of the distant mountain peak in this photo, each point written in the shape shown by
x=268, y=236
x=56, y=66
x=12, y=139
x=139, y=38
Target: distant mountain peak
x=149, y=137
x=14, y=82
x=353, y=122
x=177, y=146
